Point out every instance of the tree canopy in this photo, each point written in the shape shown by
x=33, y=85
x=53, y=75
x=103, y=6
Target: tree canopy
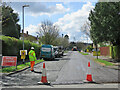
x=104, y=21
x=65, y=42
x=48, y=33
x=0, y=29
x=10, y=27
x=86, y=28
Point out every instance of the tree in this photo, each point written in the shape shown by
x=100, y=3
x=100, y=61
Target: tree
x=104, y=22
x=0, y=20
x=58, y=41
x=90, y=48
x=71, y=45
x=65, y=42
x=80, y=45
x=86, y=28
x=48, y=33
x=10, y=27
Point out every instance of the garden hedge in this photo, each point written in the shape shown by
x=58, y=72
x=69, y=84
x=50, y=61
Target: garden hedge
x=12, y=46
x=115, y=52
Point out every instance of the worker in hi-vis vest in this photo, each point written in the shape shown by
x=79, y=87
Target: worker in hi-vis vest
x=32, y=58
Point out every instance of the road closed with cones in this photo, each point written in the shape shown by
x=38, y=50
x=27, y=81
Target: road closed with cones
x=72, y=68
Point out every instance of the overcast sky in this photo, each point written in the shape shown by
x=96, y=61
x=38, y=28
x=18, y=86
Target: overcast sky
x=70, y=16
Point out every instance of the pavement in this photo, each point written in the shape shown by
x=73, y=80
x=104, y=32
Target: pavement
x=67, y=71
x=110, y=85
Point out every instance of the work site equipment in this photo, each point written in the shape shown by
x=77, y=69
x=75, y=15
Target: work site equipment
x=44, y=76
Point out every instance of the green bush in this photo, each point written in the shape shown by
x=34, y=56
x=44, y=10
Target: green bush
x=90, y=48
x=12, y=46
x=115, y=52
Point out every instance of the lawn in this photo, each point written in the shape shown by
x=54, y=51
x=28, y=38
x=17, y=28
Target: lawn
x=19, y=67
x=106, y=63
x=84, y=53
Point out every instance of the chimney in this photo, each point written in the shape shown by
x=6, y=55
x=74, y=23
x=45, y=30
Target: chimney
x=27, y=32
x=37, y=37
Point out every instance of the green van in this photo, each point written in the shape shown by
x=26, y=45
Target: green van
x=47, y=52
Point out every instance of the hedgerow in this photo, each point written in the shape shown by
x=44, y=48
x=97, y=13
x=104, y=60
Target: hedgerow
x=12, y=46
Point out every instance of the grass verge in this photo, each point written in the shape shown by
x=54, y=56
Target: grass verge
x=19, y=67
x=103, y=62
x=84, y=53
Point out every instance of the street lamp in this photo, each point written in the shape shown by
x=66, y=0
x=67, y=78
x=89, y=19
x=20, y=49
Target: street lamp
x=62, y=35
x=23, y=25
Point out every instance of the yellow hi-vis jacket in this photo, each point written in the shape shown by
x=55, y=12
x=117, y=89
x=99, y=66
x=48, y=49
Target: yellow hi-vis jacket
x=32, y=56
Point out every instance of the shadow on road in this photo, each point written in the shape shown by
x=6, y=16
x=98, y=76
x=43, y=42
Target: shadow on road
x=65, y=59
x=56, y=59
x=37, y=72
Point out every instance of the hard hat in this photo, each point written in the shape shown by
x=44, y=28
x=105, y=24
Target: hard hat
x=32, y=47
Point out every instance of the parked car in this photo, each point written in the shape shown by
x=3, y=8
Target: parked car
x=74, y=48
x=61, y=50
x=47, y=52
x=56, y=51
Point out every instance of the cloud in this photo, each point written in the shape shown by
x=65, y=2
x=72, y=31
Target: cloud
x=57, y=9
x=71, y=23
x=32, y=29
x=84, y=39
x=38, y=8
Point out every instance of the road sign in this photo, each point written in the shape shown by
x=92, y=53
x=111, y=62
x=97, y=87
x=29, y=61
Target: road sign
x=9, y=61
x=95, y=53
x=87, y=50
x=23, y=57
x=23, y=53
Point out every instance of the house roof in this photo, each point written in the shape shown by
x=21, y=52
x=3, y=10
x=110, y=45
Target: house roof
x=27, y=35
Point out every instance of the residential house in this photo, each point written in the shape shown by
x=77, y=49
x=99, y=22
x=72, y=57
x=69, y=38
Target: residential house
x=29, y=37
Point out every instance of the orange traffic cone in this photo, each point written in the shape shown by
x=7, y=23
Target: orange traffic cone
x=89, y=75
x=44, y=77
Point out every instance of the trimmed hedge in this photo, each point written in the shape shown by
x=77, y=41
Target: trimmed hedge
x=12, y=46
x=115, y=52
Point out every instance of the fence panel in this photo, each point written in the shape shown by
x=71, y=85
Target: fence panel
x=105, y=51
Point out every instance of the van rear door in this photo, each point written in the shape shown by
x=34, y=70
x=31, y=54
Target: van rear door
x=45, y=52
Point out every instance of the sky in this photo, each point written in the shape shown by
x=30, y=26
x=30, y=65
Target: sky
x=69, y=16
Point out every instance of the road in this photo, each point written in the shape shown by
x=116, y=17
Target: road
x=72, y=68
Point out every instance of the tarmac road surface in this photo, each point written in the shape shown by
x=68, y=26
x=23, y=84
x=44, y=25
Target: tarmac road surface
x=75, y=70
x=72, y=68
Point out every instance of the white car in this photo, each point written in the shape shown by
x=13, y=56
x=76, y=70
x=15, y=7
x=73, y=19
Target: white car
x=56, y=51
